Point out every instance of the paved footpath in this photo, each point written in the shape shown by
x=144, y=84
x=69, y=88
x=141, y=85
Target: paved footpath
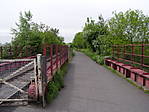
x=90, y=87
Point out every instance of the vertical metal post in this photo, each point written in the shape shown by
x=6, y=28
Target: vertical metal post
x=10, y=51
x=64, y=53
x=113, y=51
x=67, y=52
x=51, y=58
x=132, y=53
x=15, y=52
x=1, y=51
x=117, y=52
x=142, y=57
x=56, y=56
x=44, y=81
x=124, y=52
x=21, y=52
x=26, y=52
x=60, y=55
x=44, y=49
x=31, y=50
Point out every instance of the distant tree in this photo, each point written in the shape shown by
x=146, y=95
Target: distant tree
x=79, y=41
x=92, y=31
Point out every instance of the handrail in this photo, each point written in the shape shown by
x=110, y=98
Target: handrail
x=137, y=54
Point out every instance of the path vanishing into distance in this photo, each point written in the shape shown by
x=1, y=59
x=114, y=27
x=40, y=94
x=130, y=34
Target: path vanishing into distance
x=90, y=87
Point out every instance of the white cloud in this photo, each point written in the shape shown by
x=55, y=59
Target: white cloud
x=67, y=15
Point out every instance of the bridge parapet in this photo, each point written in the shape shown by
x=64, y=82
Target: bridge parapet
x=132, y=61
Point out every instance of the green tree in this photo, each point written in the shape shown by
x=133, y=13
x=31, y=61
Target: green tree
x=79, y=41
x=93, y=31
x=29, y=33
x=131, y=26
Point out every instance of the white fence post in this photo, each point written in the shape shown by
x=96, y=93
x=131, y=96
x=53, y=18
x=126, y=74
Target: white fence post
x=42, y=82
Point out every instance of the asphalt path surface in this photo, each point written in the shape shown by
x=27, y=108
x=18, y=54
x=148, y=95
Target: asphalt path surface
x=90, y=87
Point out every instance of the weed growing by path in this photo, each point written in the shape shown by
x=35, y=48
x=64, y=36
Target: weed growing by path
x=56, y=84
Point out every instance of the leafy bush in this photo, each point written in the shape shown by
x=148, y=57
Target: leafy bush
x=100, y=60
x=52, y=91
x=64, y=70
x=56, y=84
x=94, y=56
x=58, y=79
x=129, y=27
x=73, y=53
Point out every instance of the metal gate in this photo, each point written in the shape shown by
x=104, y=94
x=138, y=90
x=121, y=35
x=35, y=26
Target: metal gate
x=15, y=77
x=24, y=80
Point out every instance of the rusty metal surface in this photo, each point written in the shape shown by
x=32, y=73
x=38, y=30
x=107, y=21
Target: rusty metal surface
x=16, y=75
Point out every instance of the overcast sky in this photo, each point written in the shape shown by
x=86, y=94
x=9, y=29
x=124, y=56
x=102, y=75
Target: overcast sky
x=68, y=16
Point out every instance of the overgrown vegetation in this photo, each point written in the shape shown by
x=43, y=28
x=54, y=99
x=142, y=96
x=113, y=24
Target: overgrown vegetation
x=127, y=27
x=56, y=84
x=28, y=34
x=130, y=27
x=94, y=56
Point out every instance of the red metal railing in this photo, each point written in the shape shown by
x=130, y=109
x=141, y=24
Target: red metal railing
x=37, y=71
x=56, y=56
x=132, y=61
x=135, y=54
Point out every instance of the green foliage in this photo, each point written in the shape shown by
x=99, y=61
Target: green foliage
x=52, y=91
x=97, y=58
x=64, y=69
x=93, y=31
x=58, y=79
x=73, y=53
x=127, y=27
x=100, y=59
x=29, y=33
x=79, y=41
x=56, y=84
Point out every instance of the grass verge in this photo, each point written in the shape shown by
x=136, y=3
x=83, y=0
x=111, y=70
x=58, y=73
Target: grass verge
x=56, y=84
x=94, y=56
